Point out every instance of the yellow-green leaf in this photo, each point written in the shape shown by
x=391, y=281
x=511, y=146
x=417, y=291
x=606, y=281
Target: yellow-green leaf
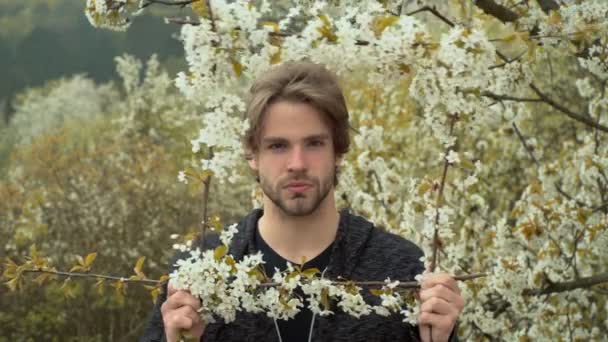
x=376, y=292
x=10, y=269
x=272, y=24
x=42, y=278
x=237, y=67
x=200, y=7
x=77, y=268
x=100, y=286
x=80, y=260
x=256, y=273
x=276, y=57
x=310, y=272
x=138, y=265
x=89, y=259
x=154, y=293
x=219, y=252
x=382, y=22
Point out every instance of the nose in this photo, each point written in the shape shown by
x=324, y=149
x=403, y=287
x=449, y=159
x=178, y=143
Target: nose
x=297, y=161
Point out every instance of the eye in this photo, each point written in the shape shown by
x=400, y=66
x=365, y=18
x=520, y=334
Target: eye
x=316, y=143
x=276, y=146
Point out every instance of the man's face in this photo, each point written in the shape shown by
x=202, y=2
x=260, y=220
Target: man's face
x=295, y=161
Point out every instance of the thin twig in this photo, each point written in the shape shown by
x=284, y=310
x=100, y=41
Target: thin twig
x=436, y=241
x=94, y=275
x=523, y=142
x=181, y=4
x=434, y=11
x=498, y=97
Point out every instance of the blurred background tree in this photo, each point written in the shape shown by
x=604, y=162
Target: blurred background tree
x=42, y=40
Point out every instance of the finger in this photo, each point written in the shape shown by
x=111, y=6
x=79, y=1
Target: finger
x=183, y=318
x=425, y=332
x=441, y=291
x=197, y=330
x=170, y=289
x=174, y=323
x=432, y=279
x=179, y=299
x=439, y=306
x=444, y=279
x=441, y=325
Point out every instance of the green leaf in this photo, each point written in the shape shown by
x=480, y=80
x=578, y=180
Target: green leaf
x=325, y=298
x=42, y=278
x=219, y=252
x=376, y=292
x=77, y=268
x=100, y=286
x=309, y=273
x=80, y=260
x=89, y=259
x=138, y=265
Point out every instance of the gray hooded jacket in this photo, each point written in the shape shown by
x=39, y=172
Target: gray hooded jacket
x=360, y=252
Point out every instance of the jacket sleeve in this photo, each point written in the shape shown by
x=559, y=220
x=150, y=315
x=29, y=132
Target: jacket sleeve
x=155, y=330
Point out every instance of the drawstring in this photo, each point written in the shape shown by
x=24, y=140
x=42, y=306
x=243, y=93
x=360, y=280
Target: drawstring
x=276, y=325
x=314, y=315
x=312, y=321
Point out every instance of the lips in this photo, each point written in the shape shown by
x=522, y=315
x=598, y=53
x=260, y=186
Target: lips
x=298, y=186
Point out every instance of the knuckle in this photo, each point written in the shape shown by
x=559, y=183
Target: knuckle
x=434, y=302
x=424, y=317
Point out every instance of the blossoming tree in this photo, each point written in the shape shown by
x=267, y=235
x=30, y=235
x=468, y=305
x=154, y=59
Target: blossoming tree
x=480, y=134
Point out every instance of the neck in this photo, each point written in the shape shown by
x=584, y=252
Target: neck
x=297, y=237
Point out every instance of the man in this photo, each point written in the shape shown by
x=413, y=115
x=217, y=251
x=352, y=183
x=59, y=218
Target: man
x=297, y=138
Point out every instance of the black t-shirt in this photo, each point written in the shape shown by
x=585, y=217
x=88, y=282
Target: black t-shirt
x=298, y=328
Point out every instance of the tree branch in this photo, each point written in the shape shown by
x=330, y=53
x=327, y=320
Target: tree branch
x=182, y=4
x=546, y=99
x=523, y=142
x=402, y=285
x=435, y=13
x=576, y=116
x=569, y=285
x=547, y=5
x=498, y=11
x=499, y=97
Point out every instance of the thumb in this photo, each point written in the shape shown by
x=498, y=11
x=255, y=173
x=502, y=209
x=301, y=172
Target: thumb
x=425, y=332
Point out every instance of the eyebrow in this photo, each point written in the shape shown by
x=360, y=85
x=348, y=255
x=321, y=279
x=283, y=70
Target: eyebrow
x=321, y=136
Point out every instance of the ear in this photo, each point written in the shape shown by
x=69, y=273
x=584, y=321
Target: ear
x=253, y=163
x=339, y=161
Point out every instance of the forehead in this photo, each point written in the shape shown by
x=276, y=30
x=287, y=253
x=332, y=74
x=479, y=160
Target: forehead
x=293, y=120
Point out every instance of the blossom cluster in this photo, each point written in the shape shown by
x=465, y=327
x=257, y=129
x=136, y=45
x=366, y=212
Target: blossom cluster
x=226, y=286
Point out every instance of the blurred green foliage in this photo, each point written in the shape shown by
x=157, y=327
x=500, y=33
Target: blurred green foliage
x=42, y=40
x=102, y=182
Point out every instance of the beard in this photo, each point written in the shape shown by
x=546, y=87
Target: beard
x=297, y=203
